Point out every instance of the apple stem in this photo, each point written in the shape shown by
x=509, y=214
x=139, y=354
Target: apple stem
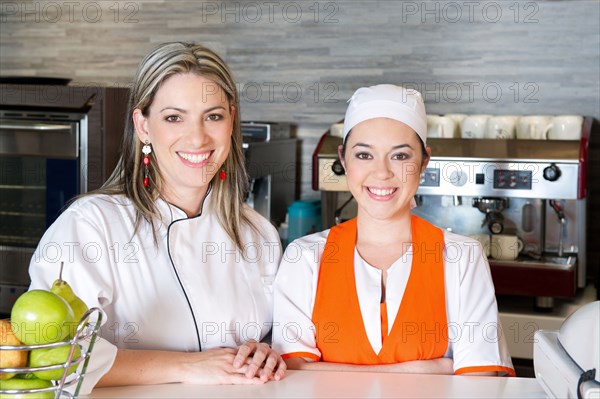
x=61, y=269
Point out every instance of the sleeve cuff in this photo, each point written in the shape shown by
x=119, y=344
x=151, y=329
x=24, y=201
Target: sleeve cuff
x=306, y=355
x=508, y=372
x=101, y=360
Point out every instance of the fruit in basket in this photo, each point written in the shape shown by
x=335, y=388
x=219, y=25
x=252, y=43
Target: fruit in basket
x=61, y=288
x=41, y=317
x=51, y=356
x=27, y=376
x=19, y=383
x=10, y=359
x=79, y=308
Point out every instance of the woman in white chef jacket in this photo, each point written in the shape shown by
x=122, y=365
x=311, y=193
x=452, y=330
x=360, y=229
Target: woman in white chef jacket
x=387, y=291
x=182, y=268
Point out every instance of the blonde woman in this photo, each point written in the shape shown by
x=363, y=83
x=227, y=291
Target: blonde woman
x=387, y=291
x=181, y=267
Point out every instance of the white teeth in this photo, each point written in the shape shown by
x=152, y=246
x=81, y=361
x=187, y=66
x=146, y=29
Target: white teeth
x=194, y=158
x=381, y=192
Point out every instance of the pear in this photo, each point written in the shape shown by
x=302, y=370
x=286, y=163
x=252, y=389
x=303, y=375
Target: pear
x=79, y=308
x=61, y=288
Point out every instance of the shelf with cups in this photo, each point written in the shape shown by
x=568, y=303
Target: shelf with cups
x=54, y=380
x=526, y=127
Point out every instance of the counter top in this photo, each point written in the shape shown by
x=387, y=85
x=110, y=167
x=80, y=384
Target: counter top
x=333, y=384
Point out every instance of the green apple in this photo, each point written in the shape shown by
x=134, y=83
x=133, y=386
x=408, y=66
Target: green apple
x=27, y=376
x=19, y=383
x=41, y=317
x=51, y=356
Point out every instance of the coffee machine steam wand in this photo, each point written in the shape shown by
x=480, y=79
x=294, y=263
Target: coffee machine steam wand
x=558, y=208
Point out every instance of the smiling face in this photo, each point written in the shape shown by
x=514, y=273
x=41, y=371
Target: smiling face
x=383, y=163
x=189, y=126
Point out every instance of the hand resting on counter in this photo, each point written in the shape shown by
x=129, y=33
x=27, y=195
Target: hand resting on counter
x=251, y=363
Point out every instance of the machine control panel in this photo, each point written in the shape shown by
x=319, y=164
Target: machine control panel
x=431, y=178
x=543, y=179
x=512, y=179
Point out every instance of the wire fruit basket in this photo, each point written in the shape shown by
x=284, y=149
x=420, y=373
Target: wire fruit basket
x=84, y=339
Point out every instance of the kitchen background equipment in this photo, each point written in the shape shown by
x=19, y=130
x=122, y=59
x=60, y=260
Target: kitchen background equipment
x=56, y=142
x=270, y=151
x=487, y=186
x=34, y=80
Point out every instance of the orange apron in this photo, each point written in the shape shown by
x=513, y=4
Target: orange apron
x=420, y=330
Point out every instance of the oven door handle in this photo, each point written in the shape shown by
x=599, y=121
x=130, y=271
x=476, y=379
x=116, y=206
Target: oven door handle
x=34, y=126
x=50, y=140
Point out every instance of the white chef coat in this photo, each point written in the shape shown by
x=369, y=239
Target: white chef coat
x=190, y=289
x=475, y=336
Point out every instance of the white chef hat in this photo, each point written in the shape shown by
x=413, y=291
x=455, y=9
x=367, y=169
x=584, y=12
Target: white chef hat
x=387, y=101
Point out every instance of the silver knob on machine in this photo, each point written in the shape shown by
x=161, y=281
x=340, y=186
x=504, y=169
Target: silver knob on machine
x=458, y=178
x=551, y=173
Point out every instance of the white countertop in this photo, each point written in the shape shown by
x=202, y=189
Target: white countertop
x=330, y=384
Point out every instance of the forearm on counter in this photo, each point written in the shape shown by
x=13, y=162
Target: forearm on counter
x=143, y=367
x=433, y=366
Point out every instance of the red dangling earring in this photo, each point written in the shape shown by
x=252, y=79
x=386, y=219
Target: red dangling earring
x=222, y=175
x=146, y=150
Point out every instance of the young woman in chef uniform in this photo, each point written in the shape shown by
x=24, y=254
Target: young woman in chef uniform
x=181, y=267
x=387, y=291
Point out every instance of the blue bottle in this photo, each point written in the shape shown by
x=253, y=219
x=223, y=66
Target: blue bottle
x=304, y=218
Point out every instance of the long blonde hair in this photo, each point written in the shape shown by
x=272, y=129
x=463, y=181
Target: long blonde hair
x=227, y=195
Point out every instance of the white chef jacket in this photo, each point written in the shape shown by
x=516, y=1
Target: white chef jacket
x=191, y=289
x=475, y=335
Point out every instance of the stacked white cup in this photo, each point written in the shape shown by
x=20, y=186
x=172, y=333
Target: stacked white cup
x=533, y=127
x=565, y=127
x=528, y=127
x=474, y=126
x=501, y=127
x=440, y=127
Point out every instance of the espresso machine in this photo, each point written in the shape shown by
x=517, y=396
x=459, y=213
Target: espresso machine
x=270, y=152
x=529, y=188
x=534, y=189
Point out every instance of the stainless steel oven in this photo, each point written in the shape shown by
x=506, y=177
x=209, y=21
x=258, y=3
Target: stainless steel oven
x=56, y=141
x=43, y=162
